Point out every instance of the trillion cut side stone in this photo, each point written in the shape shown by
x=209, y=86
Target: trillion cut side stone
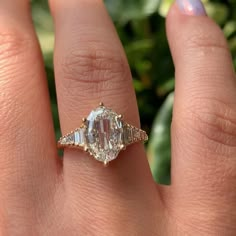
x=104, y=134
x=69, y=139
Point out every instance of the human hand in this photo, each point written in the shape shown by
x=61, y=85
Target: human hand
x=40, y=195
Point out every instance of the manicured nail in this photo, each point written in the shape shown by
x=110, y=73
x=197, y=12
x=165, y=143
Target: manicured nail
x=191, y=7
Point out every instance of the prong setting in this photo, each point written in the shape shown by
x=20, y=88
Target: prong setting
x=103, y=134
x=105, y=163
x=122, y=147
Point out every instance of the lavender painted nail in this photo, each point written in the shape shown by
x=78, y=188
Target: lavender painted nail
x=191, y=7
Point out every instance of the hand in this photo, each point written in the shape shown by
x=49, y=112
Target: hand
x=40, y=195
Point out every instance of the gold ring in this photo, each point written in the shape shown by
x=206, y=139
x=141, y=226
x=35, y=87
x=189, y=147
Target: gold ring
x=103, y=134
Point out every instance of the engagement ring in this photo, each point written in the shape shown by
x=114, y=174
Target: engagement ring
x=103, y=134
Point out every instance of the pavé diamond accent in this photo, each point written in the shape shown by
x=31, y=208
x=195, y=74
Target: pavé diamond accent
x=68, y=139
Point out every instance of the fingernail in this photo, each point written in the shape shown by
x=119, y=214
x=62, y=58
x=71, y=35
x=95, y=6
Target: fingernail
x=191, y=7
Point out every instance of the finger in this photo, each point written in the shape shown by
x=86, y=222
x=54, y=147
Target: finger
x=203, y=129
x=90, y=67
x=27, y=147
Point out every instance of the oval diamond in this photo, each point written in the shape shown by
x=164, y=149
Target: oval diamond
x=104, y=134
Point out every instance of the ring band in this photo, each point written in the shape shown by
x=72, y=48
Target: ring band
x=103, y=134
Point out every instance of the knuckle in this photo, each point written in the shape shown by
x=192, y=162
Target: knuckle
x=15, y=53
x=94, y=66
x=13, y=43
x=10, y=113
x=213, y=123
x=206, y=40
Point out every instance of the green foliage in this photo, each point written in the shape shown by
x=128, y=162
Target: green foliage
x=123, y=11
x=159, y=144
x=141, y=27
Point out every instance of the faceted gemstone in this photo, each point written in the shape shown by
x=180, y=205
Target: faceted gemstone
x=77, y=137
x=128, y=134
x=68, y=139
x=63, y=141
x=82, y=136
x=104, y=134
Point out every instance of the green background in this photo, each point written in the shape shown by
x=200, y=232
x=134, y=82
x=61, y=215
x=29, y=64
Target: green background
x=141, y=27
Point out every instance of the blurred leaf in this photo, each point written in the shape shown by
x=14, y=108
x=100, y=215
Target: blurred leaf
x=159, y=145
x=139, y=45
x=218, y=11
x=230, y=29
x=166, y=87
x=44, y=27
x=164, y=7
x=138, y=85
x=46, y=40
x=125, y=10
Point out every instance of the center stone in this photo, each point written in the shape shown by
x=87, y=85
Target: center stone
x=104, y=134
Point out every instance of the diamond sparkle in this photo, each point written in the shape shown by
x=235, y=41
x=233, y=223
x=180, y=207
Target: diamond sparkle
x=104, y=134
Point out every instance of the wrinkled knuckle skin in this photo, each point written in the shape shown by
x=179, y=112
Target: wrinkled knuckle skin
x=93, y=66
x=12, y=44
x=206, y=40
x=213, y=124
x=15, y=53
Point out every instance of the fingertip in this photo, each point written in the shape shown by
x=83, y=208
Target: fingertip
x=185, y=9
x=186, y=33
x=178, y=15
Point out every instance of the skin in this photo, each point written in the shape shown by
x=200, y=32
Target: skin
x=41, y=195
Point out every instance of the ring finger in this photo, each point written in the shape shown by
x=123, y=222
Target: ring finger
x=90, y=66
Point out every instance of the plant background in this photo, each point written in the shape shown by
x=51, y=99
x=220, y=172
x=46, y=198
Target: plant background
x=141, y=27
